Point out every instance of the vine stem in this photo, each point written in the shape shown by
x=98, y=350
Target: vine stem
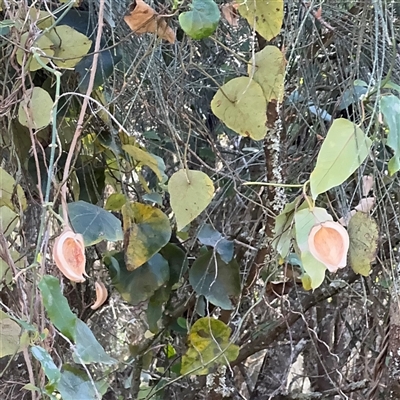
x=79, y=125
x=273, y=184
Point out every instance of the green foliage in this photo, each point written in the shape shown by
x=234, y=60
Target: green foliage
x=305, y=219
x=209, y=347
x=40, y=104
x=138, y=285
x=53, y=374
x=202, y=20
x=147, y=231
x=390, y=107
x=215, y=279
x=209, y=236
x=364, y=235
x=74, y=385
x=240, y=104
x=284, y=226
x=191, y=192
x=344, y=149
x=88, y=350
x=265, y=17
x=94, y=223
x=177, y=262
x=57, y=307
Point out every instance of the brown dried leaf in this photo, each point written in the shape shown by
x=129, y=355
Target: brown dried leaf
x=69, y=255
x=229, y=11
x=144, y=19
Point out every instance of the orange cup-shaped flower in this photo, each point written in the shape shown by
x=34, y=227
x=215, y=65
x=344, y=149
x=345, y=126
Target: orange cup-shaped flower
x=329, y=243
x=69, y=255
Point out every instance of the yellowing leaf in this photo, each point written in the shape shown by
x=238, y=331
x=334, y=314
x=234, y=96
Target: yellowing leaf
x=240, y=104
x=115, y=202
x=70, y=45
x=11, y=194
x=144, y=158
x=264, y=16
x=39, y=105
x=9, y=335
x=191, y=192
x=269, y=71
x=364, y=235
x=43, y=19
x=43, y=43
x=343, y=151
x=8, y=220
x=306, y=282
x=148, y=231
x=209, y=347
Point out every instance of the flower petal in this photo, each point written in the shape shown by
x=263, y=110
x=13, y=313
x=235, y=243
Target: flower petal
x=69, y=255
x=101, y=295
x=329, y=243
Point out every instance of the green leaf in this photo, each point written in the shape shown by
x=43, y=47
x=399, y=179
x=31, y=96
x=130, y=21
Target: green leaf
x=155, y=307
x=94, y=223
x=70, y=45
x=284, y=226
x=265, y=16
x=88, y=350
x=215, y=279
x=73, y=386
x=304, y=221
x=115, y=202
x=9, y=335
x=43, y=43
x=57, y=306
x=191, y=192
x=138, y=285
x=202, y=20
x=50, y=369
x=211, y=237
x=40, y=106
x=209, y=347
x=364, y=234
x=240, y=104
x=177, y=262
x=148, y=233
x=11, y=194
x=390, y=107
x=344, y=149
x=268, y=70
x=143, y=158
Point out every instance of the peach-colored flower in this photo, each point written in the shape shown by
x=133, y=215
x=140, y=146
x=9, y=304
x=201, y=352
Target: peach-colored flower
x=101, y=295
x=69, y=255
x=329, y=243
